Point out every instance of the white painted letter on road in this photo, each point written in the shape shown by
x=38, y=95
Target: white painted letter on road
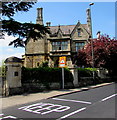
x=44, y=108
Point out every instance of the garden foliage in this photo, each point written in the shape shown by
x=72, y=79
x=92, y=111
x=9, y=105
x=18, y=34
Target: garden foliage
x=105, y=54
x=45, y=75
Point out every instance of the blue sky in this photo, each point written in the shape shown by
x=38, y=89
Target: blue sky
x=66, y=13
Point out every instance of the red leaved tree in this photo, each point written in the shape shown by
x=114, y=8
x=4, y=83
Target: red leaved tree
x=104, y=51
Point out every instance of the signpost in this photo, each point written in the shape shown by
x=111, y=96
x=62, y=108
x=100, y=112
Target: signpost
x=62, y=64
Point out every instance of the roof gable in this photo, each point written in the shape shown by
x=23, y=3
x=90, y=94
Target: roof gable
x=66, y=29
x=59, y=33
x=84, y=27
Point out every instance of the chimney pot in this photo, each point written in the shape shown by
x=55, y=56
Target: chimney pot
x=48, y=23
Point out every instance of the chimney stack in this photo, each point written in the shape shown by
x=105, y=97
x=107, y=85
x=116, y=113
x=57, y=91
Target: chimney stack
x=98, y=35
x=89, y=20
x=39, y=16
x=48, y=23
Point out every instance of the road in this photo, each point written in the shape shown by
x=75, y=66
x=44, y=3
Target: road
x=94, y=103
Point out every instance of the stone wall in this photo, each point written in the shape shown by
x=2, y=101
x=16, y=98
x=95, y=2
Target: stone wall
x=38, y=87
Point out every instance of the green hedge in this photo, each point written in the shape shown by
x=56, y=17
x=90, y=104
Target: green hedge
x=86, y=72
x=45, y=75
x=85, y=76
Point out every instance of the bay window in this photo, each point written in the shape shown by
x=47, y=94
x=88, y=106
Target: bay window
x=60, y=45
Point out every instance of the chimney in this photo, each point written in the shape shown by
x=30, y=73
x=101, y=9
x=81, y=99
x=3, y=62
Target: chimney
x=39, y=19
x=98, y=35
x=89, y=20
x=48, y=23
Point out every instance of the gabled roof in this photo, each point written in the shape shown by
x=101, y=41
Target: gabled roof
x=66, y=29
x=85, y=26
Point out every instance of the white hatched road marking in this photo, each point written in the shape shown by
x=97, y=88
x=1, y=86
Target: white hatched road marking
x=44, y=108
x=72, y=100
x=9, y=116
x=70, y=114
x=108, y=97
x=1, y=114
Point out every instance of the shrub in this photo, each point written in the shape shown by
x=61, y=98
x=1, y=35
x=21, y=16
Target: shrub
x=83, y=72
x=86, y=72
x=45, y=75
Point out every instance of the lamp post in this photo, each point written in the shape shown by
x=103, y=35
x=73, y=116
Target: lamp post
x=92, y=48
x=91, y=18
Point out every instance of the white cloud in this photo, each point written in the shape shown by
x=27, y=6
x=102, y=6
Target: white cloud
x=7, y=39
x=9, y=51
x=15, y=54
x=12, y=52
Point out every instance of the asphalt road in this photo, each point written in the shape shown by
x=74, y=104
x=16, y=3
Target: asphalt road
x=94, y=104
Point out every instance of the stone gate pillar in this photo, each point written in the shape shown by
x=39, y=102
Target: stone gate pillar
x=74, y=72
x=13, y=74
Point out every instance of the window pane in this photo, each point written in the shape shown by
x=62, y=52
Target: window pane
x=79, y=46
x=15, y=73
x=60, y=45
x=79, y=32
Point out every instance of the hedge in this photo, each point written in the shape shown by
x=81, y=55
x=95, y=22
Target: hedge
x=86, y=72
x=85, y=76
x=45, y=75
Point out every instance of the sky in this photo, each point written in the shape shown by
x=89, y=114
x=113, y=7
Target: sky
x=64, y=13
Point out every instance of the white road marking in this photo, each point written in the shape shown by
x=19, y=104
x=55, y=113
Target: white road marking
x=108, y=97
x=1, y=114
x=9, y=117
x=72, y=100
x=1, y=117
x=70, y=114
x=44, y=108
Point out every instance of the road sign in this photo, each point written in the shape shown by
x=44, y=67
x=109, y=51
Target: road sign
x=62, y=62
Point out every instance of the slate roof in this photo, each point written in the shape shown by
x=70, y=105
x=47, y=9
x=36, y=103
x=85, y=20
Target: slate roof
x=66, y=29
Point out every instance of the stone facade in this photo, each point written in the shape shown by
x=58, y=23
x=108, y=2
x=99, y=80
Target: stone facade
x=12, y=80
x=64, y=40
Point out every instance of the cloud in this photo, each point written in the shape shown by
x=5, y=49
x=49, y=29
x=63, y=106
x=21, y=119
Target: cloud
x=7, y=39
x=9, y=51
x=15, y=54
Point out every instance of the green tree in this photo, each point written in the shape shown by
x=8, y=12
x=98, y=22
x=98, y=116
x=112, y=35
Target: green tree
x=23, y=31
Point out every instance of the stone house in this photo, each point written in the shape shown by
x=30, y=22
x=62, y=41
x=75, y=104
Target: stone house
x=63, y=40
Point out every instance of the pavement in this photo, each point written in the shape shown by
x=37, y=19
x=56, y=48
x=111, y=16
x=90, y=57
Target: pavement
x=11, y=101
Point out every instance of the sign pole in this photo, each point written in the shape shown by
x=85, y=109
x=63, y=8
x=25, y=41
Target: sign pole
x=62, y=62
x=62, y=78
